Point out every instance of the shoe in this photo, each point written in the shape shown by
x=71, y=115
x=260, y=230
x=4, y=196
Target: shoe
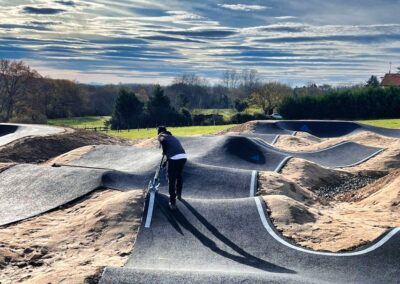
x=172, y=206
x=179, y=197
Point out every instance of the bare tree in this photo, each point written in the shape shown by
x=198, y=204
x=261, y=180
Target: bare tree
x=269, y=95
x=190, y=79
x=230, y=79
x=14, y=79
x=250, y=81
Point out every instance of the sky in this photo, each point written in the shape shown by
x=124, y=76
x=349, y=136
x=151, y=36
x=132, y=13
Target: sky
x=296, y=42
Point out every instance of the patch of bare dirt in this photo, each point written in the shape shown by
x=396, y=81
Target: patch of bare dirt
x=72, y=244
x=349, y=221
x=306, y=142
x=241, y=128
x=40, y=149
x=310, y=175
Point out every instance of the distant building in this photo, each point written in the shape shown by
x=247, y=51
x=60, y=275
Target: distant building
x=391, y=80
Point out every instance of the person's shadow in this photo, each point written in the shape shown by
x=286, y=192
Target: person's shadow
x=177, y=219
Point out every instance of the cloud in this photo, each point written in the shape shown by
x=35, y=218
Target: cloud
x=42, y=11
x=25, y=27
x=205, y=33
x=243, y=7
x=66, y=3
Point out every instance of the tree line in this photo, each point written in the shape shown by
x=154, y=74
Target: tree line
x=369, y=102
x=26, y=96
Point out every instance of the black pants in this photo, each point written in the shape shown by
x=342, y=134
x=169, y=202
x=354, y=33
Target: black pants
x=175, y=178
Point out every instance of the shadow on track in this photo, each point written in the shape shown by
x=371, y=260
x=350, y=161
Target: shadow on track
x=177, y=218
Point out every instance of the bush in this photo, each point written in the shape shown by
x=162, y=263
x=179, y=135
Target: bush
x=359, y=103
x=208, y=119
x=241, y=118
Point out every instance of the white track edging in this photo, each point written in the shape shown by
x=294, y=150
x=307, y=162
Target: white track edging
x=282, y=164
x=253, y=183
x=363, y=160
x=150, y=209
x=272, y=232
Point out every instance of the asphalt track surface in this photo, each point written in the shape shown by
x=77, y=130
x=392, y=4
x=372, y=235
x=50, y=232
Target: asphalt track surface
x=220, y=233
x=319, y=128
x=12, y=132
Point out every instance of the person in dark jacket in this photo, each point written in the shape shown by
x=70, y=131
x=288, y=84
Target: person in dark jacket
x=176, y=159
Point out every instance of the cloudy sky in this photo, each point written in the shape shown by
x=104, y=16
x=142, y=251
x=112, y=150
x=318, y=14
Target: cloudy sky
x=104, y=41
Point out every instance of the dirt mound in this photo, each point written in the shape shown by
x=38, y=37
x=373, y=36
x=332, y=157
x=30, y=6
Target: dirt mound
x=72, y=244
x=305, y=142
x=356, y=218
x=40, y=149
x=312, y=176
x=289, y=211
x=384, y=193
x=241, y=128
x=276, y=184
x=296, y=143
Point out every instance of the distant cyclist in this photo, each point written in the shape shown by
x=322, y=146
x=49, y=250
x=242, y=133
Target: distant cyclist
x=176, y=159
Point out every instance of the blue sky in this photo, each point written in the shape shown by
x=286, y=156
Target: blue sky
x=152, y=41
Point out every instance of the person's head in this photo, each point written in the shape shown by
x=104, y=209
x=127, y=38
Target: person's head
x=161, y=129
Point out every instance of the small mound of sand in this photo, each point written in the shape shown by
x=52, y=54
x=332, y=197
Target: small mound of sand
x=148, y=143
x=337, y=225
x=73, y=244
x=294, y=143
x=289, y=211
x=40, y=149
x=241, y=128
x=71, y=155
x=310, y=175
x=275, y=184
x=305, y=142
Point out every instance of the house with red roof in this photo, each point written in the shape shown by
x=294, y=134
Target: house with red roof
x=391, y=80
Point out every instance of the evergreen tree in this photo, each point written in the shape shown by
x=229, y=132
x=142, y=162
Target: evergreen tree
x=127, y=111
x=373, y=82
x=159, y=108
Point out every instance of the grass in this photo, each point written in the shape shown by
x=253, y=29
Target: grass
x=388, y=123
x=97, y=121
x=80, y=122
x=178, y=131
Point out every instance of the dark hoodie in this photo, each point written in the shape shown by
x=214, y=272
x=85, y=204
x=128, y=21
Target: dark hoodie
x=170, y=144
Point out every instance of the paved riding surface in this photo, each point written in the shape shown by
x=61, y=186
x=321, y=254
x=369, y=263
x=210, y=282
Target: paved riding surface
x=208, y=240
x=321, y=128
x=11, y=132
x=220, y=232
x=346, y=154
x=29, y=190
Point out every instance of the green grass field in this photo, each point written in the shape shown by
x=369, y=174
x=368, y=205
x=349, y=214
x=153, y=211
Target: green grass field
x=388, y=123
x=178, y=131
x=80, y=122
x=98, y=121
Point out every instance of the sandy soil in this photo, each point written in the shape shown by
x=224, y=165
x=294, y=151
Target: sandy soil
x=306, y=142
x=72, y=244
x=40, y=149
x=340, y=226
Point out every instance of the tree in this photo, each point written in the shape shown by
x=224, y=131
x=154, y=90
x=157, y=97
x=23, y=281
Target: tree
x=249, y=81
x=240, y=105
x=269, y=95
x=230, y=79
x=373, y=82
x=127, y=111
x=15, y=77
x=182, y=100
x=159, y=107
